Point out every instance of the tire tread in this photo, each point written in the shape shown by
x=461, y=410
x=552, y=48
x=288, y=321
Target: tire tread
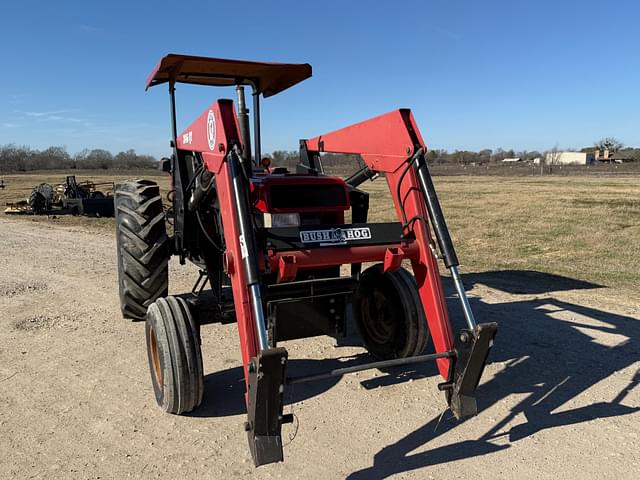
x=142, y=246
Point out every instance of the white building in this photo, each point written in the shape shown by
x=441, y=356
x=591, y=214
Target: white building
x=512, y=160
x=568, y=158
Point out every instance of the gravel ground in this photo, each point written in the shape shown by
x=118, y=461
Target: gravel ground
x=560, y=398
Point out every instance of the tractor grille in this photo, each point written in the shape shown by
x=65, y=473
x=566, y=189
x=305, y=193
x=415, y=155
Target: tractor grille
x=307, y=196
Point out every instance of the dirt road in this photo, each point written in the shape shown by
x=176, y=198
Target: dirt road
x=560, y=399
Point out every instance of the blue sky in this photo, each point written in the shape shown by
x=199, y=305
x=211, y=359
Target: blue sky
x=477, y=74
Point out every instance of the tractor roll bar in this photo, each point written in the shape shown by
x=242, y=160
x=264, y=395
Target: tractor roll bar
x=256, y=124
x=265, y=78
x=243, y=123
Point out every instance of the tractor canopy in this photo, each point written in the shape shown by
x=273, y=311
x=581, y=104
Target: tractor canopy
x=266, y=78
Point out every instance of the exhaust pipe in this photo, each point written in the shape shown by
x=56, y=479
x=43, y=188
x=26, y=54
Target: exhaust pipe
x=245, y=135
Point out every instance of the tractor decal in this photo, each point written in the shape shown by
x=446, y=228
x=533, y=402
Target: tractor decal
x=335, y=235
x=211, y=130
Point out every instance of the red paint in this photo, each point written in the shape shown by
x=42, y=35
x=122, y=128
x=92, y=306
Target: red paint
x=386, y=141
x=331, y=256
x=287, y=268
x=215, y=161
x=393, y=259
x=385, y=144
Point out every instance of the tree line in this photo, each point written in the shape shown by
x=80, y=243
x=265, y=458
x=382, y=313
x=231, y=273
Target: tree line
x=467, y=157
x=15, y=158
x=24, y=159
x=435, y=156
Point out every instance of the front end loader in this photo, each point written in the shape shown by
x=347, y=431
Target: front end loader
x=270, y=244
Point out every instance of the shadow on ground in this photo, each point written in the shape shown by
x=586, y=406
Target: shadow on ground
x=549, y=354
x=528, y=282
x=224, y=390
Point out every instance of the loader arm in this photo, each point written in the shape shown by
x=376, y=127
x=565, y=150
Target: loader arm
x=386, y=144
x=392, y=144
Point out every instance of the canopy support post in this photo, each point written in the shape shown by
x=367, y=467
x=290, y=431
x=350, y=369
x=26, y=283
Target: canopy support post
x=257, y=157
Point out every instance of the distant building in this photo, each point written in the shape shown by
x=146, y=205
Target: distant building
x=622, y=156
x=569, y=158
x=536, y=161
x=601, y=156
x=511, y=160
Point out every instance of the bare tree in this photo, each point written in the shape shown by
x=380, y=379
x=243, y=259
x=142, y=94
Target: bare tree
x=609, y=143
x=551, y=158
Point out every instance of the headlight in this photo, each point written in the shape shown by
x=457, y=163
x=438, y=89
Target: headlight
x=282, y=220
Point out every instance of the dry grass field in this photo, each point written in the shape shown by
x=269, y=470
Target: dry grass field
x=586, y=228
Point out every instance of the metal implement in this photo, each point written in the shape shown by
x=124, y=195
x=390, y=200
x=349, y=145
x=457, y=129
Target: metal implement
x=472, y=349
x=265, y=391
x=70, y=198
x=339, y=372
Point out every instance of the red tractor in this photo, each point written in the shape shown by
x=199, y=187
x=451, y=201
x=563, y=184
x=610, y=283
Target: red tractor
x=270, y=244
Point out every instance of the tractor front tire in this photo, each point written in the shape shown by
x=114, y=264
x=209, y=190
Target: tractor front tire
x=142, y=246
x=175, y=358
x=389, y=314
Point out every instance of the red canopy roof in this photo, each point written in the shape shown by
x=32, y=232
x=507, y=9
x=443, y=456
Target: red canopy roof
x=268, y=78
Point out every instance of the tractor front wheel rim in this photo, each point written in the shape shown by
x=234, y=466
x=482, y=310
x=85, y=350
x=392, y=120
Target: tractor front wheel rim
x=155, y=359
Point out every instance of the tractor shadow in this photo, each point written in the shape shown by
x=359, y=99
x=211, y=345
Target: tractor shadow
x=225, y=389
x=550, y=355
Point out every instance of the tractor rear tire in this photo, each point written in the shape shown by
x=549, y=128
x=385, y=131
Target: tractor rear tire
x=142, y=247
x=175, y=358
x=40, y=198
x=389, y=314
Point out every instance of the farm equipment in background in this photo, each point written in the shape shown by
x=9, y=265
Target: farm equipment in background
x=73, y=198
x=271, y=244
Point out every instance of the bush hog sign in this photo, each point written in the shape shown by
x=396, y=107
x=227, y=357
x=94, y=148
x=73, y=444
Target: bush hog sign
x=335, y=235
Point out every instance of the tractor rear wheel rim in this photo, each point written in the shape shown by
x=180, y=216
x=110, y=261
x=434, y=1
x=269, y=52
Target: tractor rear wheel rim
x=377, y=321
x=155, y=359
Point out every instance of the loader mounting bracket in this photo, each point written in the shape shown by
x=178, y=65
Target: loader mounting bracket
x=267, y=376
x=472, y=349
